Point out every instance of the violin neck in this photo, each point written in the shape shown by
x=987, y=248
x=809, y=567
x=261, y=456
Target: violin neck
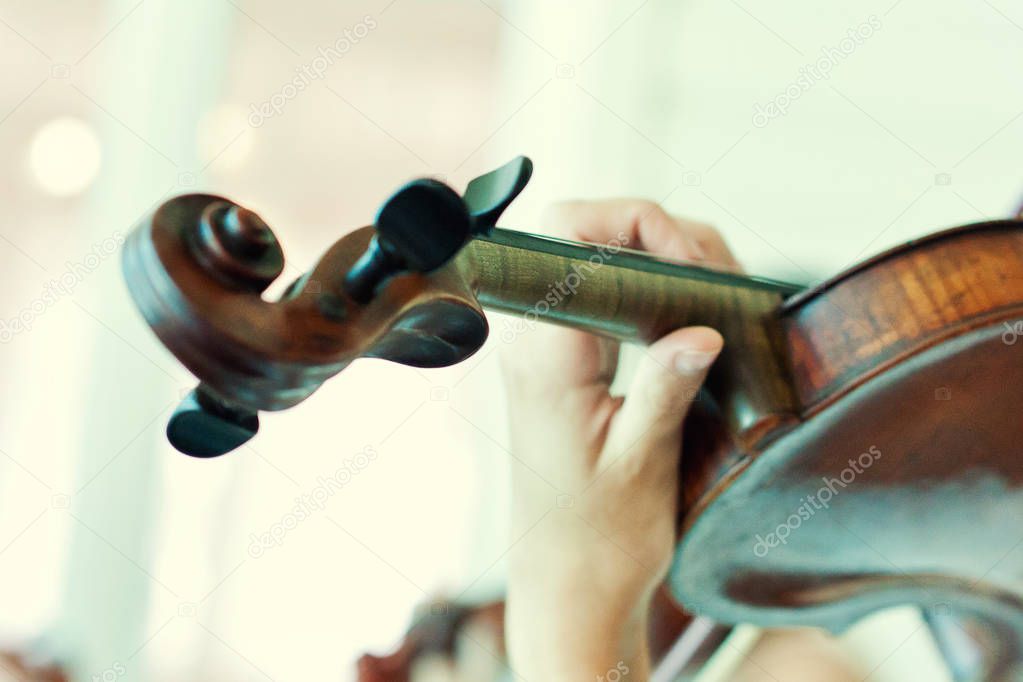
x=613, y=291
x=633, y=296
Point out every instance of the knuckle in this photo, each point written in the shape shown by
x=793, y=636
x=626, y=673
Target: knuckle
x=668, y=395
x=658, y=396
x=700, y=230
x=649, y=211
x=709, y=238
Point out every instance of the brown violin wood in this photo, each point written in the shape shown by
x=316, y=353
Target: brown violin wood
x=859, y=446
x=903, y=482
x=899, y=302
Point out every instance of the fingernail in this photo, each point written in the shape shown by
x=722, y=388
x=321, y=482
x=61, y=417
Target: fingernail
x=691, y=361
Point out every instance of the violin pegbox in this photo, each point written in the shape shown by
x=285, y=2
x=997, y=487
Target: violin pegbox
x=420, y=229
x=198, y=266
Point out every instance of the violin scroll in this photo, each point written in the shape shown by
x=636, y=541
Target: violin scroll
x=198, y=267
x=234, y=244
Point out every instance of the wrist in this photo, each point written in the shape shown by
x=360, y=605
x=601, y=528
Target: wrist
x=572, y=635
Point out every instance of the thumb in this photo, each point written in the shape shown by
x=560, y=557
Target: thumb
x=664, y=386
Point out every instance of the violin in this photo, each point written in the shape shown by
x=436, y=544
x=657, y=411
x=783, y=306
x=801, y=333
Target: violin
x=857, y=445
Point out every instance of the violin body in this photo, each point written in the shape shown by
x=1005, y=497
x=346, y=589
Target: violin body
x=900, y=481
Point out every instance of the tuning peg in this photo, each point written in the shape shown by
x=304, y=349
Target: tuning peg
x=489, y=195
x=420, y=228
x=203, y=425
x=426, y=223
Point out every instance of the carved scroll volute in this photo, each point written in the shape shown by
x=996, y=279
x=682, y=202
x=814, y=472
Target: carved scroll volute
x=197, y=269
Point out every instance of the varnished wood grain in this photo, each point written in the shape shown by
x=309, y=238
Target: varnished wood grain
x=613, y=295
x=906, y=356
x=900, y=302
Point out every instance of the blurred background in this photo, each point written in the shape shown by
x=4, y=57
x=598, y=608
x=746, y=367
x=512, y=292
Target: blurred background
x=811, y=134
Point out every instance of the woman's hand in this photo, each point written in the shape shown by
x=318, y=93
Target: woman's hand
x=595, y=479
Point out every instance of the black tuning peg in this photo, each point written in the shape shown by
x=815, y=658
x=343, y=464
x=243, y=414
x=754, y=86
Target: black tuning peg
x=425, y=223
x=206, y=426
x=419, y=229
x=489, y=195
